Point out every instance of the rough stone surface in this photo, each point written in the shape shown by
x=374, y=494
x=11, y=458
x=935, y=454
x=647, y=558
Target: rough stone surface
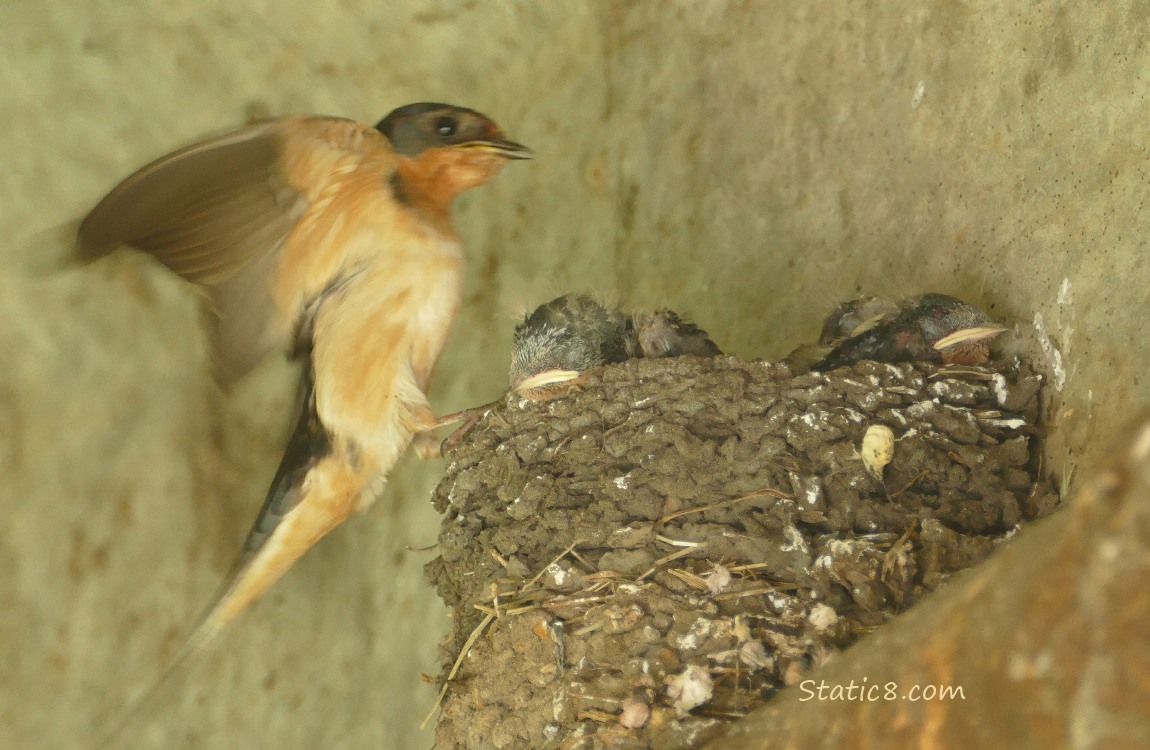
x=694, y=534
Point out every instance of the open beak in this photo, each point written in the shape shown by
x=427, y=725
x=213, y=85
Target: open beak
x=500, y=146
x=967, y=335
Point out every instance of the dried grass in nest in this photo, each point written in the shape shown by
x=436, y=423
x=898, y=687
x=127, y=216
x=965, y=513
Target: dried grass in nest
x=673, y=541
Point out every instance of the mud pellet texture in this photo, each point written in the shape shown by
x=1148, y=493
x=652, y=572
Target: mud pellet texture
x=643, y=557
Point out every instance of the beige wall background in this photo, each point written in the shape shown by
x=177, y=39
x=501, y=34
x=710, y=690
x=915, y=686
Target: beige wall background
x=749, y=163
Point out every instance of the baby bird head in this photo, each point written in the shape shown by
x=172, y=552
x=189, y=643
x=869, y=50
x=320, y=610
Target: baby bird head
x=959, y=332
x=569, y=334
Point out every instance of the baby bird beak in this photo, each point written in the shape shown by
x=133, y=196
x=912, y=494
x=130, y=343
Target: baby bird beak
x=966, y=335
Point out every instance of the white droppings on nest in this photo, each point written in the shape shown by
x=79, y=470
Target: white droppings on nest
x=690, y=689
x=808, y=419
x=813, y=493
x=650, y=428
x=623, y=482
x=641, y=402
x=754, y=655
x=822, y=617
x=795, y=541
x=855, y=416
x=919, y=408
x=718, y=579
x=841, y=547
x=557, y=573
x=1000, y=391
x=938, y=388
x=778, y=601
x=700, y=630
x=822, y=562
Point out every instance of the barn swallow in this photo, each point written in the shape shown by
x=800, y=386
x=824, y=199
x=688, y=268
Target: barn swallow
x=574, y=332
x=664, y=333
x=930, y=328
x=330, y=240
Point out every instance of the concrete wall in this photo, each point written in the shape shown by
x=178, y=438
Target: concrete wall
x=749, y=163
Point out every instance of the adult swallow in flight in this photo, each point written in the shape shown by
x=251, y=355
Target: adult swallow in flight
x=330, y=240
x=930, y=328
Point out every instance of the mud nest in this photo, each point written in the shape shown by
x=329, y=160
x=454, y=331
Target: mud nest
x=642, y=560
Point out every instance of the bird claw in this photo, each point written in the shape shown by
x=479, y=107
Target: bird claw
x=470, y=418
x=427, y=445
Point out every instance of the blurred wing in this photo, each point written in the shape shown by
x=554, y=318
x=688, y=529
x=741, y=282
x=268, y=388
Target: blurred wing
x=216, y=213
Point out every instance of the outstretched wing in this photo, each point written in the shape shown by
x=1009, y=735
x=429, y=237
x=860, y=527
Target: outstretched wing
x=217, y=213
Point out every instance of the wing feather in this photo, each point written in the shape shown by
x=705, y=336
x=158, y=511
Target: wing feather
x=205, y=210
x=217, y=213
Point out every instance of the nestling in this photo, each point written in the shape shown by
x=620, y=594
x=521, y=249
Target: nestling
x=575, y=332
x=930, y=328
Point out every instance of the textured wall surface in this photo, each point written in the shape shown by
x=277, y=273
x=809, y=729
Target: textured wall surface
x=749, y=163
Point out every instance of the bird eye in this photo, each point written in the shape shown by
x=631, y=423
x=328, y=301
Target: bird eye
x=445, y=126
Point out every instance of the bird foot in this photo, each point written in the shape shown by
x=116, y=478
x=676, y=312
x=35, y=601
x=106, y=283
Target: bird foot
x=427, y=445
